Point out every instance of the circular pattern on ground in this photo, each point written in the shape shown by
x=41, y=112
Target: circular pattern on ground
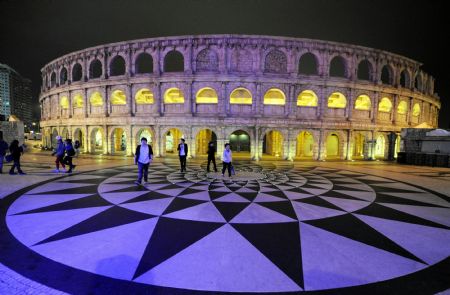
x=298, y=228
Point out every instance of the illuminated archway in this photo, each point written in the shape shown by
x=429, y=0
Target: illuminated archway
x=380, y=146
x=144, y=96
x=173, y=95
x=64, y=103
x=402, y=108
x=358, y=145
x=172, y=139
x=307, y=98
x=97, y=140
x=273, y=143
x=332, y=146
x=144, y=132
x=96, y=99
x=416, y=110
x=274, y=96
x=241, y=96
x=202, y=140
x=78, y=135
x=385, y=105
x=240, y=141
x=206, y=95
x=78, y=101
x=363, y=103
x=337, y=101
x=53, y=138
x=305, y=145
x=65, y=134
x=118, y=97
x=118, y=141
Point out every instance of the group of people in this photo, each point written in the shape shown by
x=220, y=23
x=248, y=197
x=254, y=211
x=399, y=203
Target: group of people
x=64, y=152
x=15, y=152
x=144, y=156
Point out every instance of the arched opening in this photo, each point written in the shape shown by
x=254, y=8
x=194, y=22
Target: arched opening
x=144, y=64
x=77, y=72
x=78, y=135
x=240, y=142
x=95, y=69
x=96, y=99
x=118, y=97
x=117, y=66
x=240, y=96
x=416, y=110
x=64, y=103
x=404, y=79
x=338, y=67
x=418, y=83
x=337, y=101
x=206, y=95
x=144, y=132
x=386, y=75
x=172, y=139
x=385, y=105
x=305, y=145
x=174, y=62
x=63, y=76
x=307, y=98
x=402, y=108
x=53, y=138
x=144, y=96
x=275, y=62
x=307, y=64
x=78, y=101
x=118, y=141
x=358, y=146
x=274, y=96
x=273, y=144
x=97, y=141
x=380, y=147
x=207, y=61
x=202, y=141
x=65, y=134
x=332, y=146
x=173, y=95
x=363, y=103
x=397, y=146
x=53, y=80
x=364, y=70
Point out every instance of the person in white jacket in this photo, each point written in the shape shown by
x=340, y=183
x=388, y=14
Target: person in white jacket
x=226, y=160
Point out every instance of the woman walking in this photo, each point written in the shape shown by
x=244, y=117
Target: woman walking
x=226, y=158
x=16, y=152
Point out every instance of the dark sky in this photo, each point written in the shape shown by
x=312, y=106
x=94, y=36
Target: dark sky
x=34, y=32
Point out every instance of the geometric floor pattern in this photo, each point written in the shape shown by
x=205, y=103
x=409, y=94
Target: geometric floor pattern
x=276, y=227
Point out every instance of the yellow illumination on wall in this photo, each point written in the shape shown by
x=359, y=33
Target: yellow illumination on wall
x=337, y=101
x=206, y=95
x=363, y=103
x=307, y=98
x=96, y=99
x=274, y=96
x=118, y=97
x=64, y=102
x=144, y=96
x=78, y=101
x=402, y=108
x=385, y=105
x=173, y=95
x=240, y=96
x=416, y=110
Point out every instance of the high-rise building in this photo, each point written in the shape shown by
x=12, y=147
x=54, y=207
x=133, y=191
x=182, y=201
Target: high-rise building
x=15, y=95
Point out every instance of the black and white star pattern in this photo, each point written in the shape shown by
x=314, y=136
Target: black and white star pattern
x=274, y=227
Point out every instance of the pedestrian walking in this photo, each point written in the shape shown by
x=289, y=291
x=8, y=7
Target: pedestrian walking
x=143, y=157
x=211, y=156
x=59, y=152
x=70, y=152
x=16, y=152
x=3, y=149
x=182, y=153
x=226, y=160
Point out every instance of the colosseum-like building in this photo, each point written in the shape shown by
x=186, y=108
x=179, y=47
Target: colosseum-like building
x=283, y=97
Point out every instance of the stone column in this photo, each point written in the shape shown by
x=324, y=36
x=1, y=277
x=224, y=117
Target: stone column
x=375, y=107
x=130, y=140
x=188, y=98
x=222, y=100
x=410, y=110
x=394, y=109
x=349, y=108
x=257, y=105
x=107, y=145
x=107, y=103
x=86, y=103
x=86, y=141
x=350, y=144
x=292, y=102
x=322, y=146
x=130, y=100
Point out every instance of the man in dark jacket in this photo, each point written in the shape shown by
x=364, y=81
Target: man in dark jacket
x=211, y=156
x=3, y=149
x=182, y=153
x=143, y=157
x=59, y=152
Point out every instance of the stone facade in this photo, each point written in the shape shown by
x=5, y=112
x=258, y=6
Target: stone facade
x=400, y=94
x=12, y=130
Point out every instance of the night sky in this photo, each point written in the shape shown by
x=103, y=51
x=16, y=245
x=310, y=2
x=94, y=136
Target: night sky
x=32, y=33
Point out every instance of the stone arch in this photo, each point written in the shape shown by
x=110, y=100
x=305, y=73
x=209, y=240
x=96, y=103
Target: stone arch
x=77, y=72
x=241, y=95
x=387, y=75
x=241, y=60
x=363, y=102
x=95, y=69
x=63, y=76
x=335, y=151
x=174, y=61
x=359, y=145
x=144, y=131
x=418, y=82
x=273, y=143
x=78, y=134
x=365, y=70
x=308, y=64
x=53, y=137
x=118, y=97
x=97, y=140
x=306, y=144
x=65, y=133
x=275, y=62
x=207, y=61
x=405, y=79
x=171, y=136
x=337, y=99
x=381, y=146
x=240, y=140
x=53, y=79
x=385, y=104
x=143, y=63
x=202, y=138
x=118, y=140
x=274, y=96
x=206, y=95
x=338, y=67
x=117, y=66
